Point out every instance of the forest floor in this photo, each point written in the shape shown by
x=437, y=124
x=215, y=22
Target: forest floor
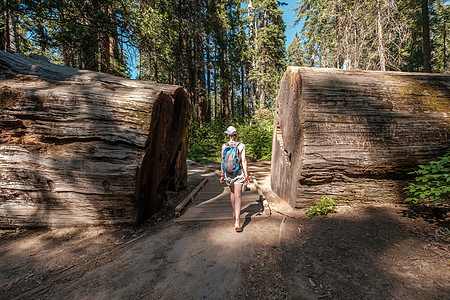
x=364, y=251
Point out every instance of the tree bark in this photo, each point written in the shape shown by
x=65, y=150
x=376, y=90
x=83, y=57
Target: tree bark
x=354, y=135
x=208, y=64
x=381, y=51
x=80, y=147
x=242, y=73
x=426, y=47
x=108, y=43
x=445, y=45
x=8, y=39
x=252, y=37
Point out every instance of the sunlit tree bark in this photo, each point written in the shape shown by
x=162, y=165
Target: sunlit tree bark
x=426, y=37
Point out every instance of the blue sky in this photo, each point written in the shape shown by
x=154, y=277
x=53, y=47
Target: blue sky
x=289, y=18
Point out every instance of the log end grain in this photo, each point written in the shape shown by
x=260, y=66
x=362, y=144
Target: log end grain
x=348, y=133
x=80, y=147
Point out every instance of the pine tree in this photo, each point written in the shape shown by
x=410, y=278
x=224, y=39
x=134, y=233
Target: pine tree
x=295, y=54
x=222, y=53
x=426, y=43
x=9, y=40
x=441, y=36
x=267, y=54
x=370, y=34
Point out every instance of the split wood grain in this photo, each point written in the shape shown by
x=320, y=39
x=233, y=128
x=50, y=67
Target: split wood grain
x=84, y=148
x=354, y=135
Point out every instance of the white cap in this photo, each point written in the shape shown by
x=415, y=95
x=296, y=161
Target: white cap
x=230, y=130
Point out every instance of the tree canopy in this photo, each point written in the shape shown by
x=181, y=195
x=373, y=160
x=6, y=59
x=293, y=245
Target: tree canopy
x=401, y=35
x=229, y=55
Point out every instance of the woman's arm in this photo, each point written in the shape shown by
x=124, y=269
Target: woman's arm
x=244, y=163
x=222, y=179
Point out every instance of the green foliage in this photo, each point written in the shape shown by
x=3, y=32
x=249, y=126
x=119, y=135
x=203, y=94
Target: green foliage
x=432, y=182
x=266, y=50
x=82, y=34
x=440, y=19
x=325, y=206
x=295, y=53
x=205, y=142
x=327, y=42
x=257, y=136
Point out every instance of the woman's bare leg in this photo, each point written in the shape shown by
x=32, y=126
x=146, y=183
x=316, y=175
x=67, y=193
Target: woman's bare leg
x=236, y=202
x=232, y=198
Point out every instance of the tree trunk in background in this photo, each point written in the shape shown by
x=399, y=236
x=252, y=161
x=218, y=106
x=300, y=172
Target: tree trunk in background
x=223, y=73
x=181, y=45
x=201, y=84
x=354, y=135
x=381, y=52
x=108, y=44
x=445, y=47
x=243, y=91
x=80, y=147
x=41, y=37
x=252, y=35
x=8, y=40
x=208, y=63
x=426, y=37
x=3, y=32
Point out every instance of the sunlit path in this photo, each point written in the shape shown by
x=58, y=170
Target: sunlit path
x=213, y=203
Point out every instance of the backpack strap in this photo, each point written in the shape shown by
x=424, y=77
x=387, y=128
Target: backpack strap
x=239, y=155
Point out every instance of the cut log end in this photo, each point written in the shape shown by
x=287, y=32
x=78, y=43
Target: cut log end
x=80, y=147
x=355, y=134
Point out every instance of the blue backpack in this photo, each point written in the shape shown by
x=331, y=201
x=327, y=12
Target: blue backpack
x=231, y=162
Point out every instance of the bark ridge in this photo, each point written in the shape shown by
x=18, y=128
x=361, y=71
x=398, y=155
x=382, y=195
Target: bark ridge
x=354, y=135
x=79, y=147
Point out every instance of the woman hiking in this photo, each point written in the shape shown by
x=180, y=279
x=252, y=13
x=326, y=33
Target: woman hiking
x=234, y=171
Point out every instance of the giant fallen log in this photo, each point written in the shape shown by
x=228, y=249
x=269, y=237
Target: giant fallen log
x=354, y=135
x=80, y=147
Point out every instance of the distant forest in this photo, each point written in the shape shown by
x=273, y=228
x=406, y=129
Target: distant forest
x=229, y=55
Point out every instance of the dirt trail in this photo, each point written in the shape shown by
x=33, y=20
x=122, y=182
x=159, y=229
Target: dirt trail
x=198, y=261
x=362, y=252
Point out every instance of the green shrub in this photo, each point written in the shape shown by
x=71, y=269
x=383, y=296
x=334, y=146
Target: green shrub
x=325, y=206
x=205, y=142
x=257, y=135
x=432, y=183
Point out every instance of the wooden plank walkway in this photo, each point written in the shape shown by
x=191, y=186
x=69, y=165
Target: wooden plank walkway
x=212, y=202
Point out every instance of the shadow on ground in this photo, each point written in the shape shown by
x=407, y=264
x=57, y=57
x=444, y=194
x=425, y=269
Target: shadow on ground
x=362, y=252
x=366, y=252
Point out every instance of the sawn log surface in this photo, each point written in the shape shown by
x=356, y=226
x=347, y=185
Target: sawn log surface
x=80, y=147
x=354, y=135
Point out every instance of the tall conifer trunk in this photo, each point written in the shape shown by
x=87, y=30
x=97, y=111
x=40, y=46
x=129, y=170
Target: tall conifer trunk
x=108, y=43
x=208, y=79
x=381, y=52
x=9, y=40
x=445, y=47
x=252, y=41
x=242, y=90
x=426, y=46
